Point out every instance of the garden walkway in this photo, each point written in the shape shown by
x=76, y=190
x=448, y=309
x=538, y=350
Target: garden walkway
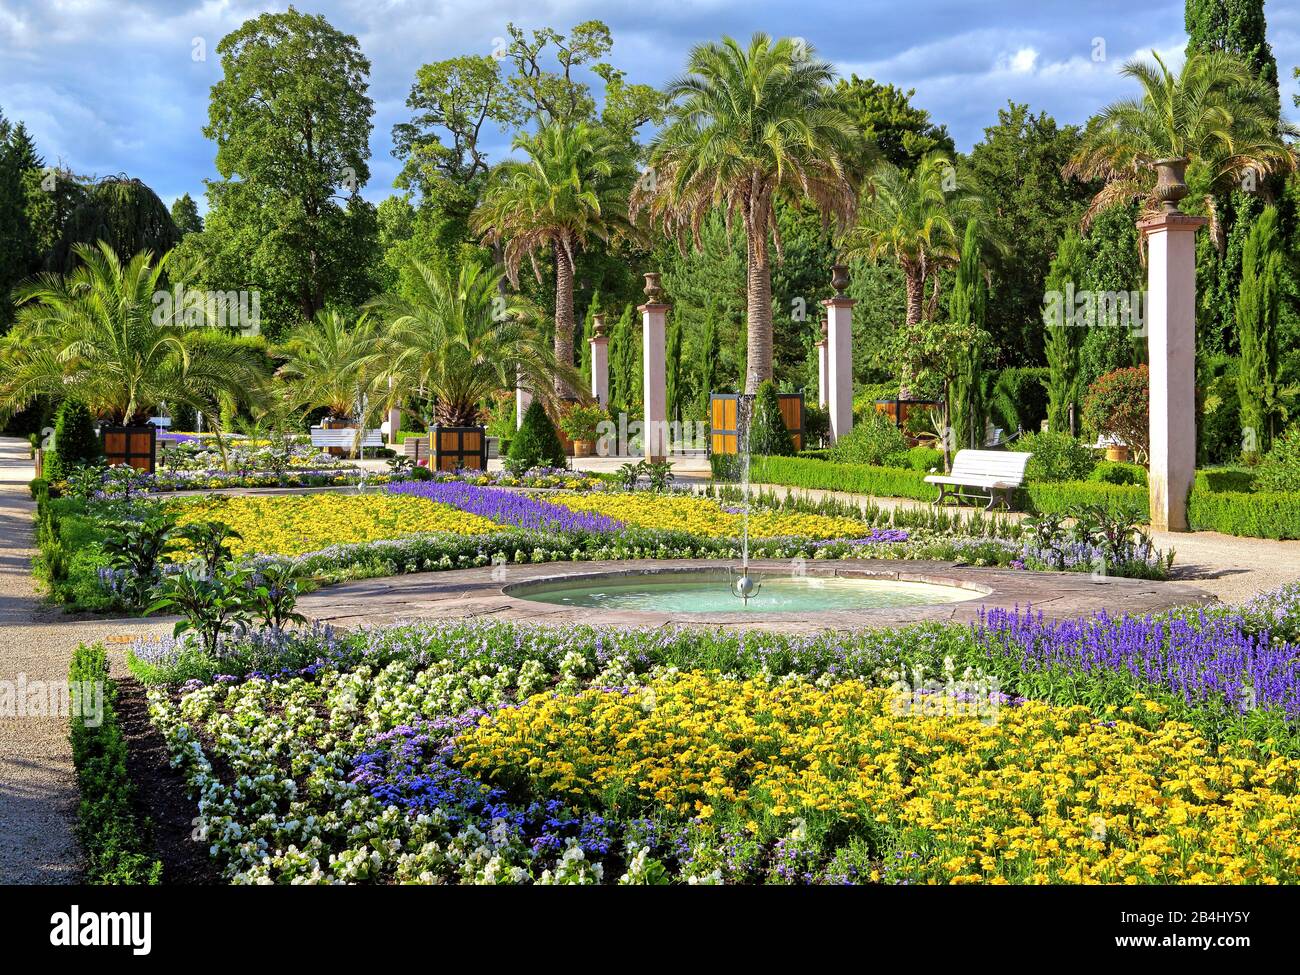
x=38, y=797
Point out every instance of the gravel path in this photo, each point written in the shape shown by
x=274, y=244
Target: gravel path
x=38, y=797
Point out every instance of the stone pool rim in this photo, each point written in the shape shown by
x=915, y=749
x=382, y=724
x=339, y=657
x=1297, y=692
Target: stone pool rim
x=521, y=591
x=484, y=593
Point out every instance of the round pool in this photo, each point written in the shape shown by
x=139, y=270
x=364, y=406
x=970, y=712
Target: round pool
x=710, y=592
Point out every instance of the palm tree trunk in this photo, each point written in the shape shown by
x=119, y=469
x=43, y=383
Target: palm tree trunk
x=563, y=315
x=758, y=315
x=915, y=293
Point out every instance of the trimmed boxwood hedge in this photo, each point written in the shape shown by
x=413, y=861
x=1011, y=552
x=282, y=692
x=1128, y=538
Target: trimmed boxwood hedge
x=1255, y=515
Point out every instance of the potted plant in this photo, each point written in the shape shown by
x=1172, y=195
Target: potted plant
x=580, y=424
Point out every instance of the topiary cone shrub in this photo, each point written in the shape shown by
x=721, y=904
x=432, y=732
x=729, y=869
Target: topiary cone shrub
x=536, y=444
x=75, y=442
x=1118, y=404
x=768, y=436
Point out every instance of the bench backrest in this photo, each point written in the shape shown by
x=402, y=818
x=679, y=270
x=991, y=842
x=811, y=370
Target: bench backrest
x=1006, y=465
x=321, y=437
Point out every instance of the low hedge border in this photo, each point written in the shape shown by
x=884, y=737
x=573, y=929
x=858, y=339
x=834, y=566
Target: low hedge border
x=114, y=837
x=1273, y=515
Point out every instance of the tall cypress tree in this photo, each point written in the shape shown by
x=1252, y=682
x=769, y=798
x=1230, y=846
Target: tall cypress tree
x=706, y=369
x=673, y=369
x=967, y=306
x=1257, y=308
x=1063, y=337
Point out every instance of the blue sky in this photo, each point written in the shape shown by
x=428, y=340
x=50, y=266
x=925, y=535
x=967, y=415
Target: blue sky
x=109, y=86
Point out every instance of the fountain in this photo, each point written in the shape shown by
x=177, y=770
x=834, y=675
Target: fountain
x=745, y=587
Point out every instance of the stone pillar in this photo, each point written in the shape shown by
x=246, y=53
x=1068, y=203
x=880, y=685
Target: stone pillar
x=600, y=361
x=839, y=354
x=394, y=425
x=821, y=369
x=654, y=316
x=1171, y=343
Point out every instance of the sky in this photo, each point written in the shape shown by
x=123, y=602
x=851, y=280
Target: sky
x=121, y=86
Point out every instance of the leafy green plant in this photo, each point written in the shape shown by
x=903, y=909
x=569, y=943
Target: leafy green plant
x=138, y=548
x=211, y=606
x=580, y=422
x=629, y=474
x=273, y=593
x=660, y=474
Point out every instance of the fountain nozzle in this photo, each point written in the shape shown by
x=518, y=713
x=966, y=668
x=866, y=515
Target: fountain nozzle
x=744, y=586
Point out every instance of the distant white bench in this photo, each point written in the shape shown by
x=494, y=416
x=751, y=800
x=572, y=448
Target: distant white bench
x=345, y=438
x=999, y=472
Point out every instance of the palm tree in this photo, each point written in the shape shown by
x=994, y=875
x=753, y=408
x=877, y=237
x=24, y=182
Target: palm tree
x=572, y=188
x=102, y=335
x=914, y=218
x=333, y=360
x=750, y=126
x=1215, y=115
x=457, y=341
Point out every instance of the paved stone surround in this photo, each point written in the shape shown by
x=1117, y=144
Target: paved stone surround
x=485, y=593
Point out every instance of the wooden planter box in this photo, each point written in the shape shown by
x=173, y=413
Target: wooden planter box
x=455, y=448
x=724, y=420
x=899, y=410
x=133, y=446
x=417, y=448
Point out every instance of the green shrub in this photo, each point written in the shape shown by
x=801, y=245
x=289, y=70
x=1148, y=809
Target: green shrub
x=114, y=837
x=1280, y=468
x=1057, y=457
x=924, y=459
x=1069, y=498
x=1240, y=480
x=75, y=442
x=1117, y=472
x=1260, y=515
x=536, y=444
x=768, y=436
x=872, y=440
x=40, y=488
x=884, y=482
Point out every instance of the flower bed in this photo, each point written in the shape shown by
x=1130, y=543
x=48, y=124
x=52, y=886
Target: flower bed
x=486, y=752
x=706, y=518
x=301, y=523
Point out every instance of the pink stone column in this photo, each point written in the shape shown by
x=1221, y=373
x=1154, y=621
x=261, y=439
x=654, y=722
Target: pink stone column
x=1171, y=343
x=600, y=361
x=654, y=315
x=821, y=369
x=839, y=354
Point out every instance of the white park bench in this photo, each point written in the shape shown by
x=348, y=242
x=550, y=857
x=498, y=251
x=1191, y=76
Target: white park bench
x=999, y=472
x=344, y=438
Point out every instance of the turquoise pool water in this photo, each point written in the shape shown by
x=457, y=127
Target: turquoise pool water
x=687, y=592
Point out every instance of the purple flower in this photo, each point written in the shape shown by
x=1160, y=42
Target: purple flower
x=507, y=507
